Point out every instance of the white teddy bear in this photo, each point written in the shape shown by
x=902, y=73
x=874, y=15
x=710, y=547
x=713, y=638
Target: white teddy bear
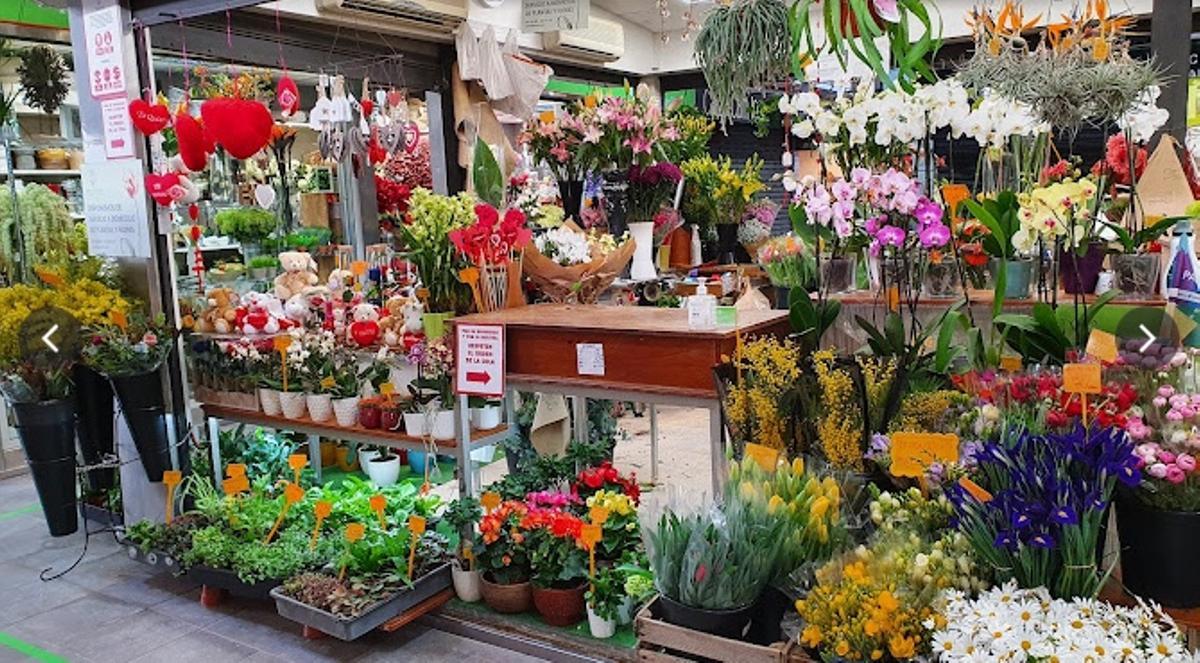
x=264, y=314
x=299, y=274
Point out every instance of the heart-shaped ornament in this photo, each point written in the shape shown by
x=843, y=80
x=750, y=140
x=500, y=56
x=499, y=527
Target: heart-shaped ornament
x=147, y=118
x=337, y=144
x=412, y=137
x=395, y=98
x=288, y=96
x=392, y=137
x=367, y=107
x=264, y=195
x=161, y=187
x=191, y=142
x=193, y=212
x=241, y=126
x=364, y=332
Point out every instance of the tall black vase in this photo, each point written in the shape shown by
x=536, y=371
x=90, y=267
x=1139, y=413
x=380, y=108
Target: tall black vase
x=1157, y=550
x=47, y=432
x=142, y=405
x=616, y=202
x=571, y=192
x=94, y=423
x=727, y=243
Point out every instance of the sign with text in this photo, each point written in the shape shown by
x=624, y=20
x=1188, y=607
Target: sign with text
x=589, y=359
x=118, y=128
x=114, y=204
x=912, y=453
x=549, y=15
x=106, y=57
x=479, y=360
x=1082, y=379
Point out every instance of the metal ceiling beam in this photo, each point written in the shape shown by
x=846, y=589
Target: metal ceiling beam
x=157, y=12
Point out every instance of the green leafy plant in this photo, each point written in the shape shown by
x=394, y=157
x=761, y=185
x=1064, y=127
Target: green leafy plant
x=810, y=320
x=1045, y=336
x=308, y=238
x=1134, y=242
x=260, y=262
x=999, y=216
x=141, y=347
x=43, y=75
x=487, y=177
x=246, y=224
x=606, y=593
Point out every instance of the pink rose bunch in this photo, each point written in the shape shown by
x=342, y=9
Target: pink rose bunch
x=1161, y=463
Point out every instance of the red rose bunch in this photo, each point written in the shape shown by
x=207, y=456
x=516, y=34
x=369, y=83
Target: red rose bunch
x=605, y=477
x=391, y=196
x=490, y=240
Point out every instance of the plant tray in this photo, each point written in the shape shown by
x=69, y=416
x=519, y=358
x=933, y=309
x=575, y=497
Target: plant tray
x=382, y=612
x=231, y=399
x=155, y=558
x=659, y=641
x=229, y=581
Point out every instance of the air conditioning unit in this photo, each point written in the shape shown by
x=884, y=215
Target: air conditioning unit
x=436, y=18
x=601, y=41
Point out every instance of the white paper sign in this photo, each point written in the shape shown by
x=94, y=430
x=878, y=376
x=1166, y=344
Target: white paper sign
x=589, y=358
x=114, y=204
x=106, y=57
x=479, y=360
x=118, y=128
x=548, y=15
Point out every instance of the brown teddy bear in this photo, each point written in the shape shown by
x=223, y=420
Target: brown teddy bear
x=221, y=313
x=391, y=326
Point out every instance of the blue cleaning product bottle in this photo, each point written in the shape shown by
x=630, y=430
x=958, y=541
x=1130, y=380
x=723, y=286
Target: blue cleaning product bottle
x=1181, y=282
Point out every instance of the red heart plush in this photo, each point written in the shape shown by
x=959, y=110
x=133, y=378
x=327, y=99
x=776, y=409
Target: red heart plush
x=162, y=188
x=364, y=332
x=288, y=96
x=367, y=107
x=149, y=119
x=241, y=126
x=191, y=142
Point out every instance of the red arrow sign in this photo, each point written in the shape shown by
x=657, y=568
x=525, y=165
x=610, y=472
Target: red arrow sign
x=482, y=377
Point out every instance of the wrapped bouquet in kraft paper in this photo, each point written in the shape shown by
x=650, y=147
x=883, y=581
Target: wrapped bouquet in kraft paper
x=569, y=265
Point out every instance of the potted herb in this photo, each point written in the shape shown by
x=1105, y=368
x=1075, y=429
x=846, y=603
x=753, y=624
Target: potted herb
x=132, y=356
x=383, y=467
x=462, y=515
x=248, y=225
x=559, y=565
x=503, y=559
x=1136, y=258
x=485, y=412
x=604, y=600
x=263, y=268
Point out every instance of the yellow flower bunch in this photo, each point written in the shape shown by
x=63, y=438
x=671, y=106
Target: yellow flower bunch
x=737, y=187
x=926, y=411
x=840, y=424
x=87, y=300
x=1050, y=211
x=811, y=504
x=878, y=374
x=616, y=503
x=767, y=371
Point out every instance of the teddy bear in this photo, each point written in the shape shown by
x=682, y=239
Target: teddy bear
x=364, y=330
x=392, y=323
x=337, y=283
x=264, y=314
x=296, y=309
x=220, y=314
x=299, y=274
x=412, y=312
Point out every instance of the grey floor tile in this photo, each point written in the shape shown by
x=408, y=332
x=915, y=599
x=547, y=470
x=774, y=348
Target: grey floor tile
x=34, y=597
x=259, y=626
x=186, y=607
x=199, y=647
x=418, y=643
x=56, y=627
x=126, y=638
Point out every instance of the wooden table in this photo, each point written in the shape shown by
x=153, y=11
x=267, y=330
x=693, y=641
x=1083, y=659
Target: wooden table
x=650, y=356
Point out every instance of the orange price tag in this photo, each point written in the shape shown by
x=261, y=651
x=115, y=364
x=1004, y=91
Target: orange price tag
x=358, y=268
x=297, y=462
x=598, y=515
x=235, y=485
x=1010, y=363
x=355, y=532
x=1082, y=378
x=292, y=494
x=234, y=470
x=378, y=504
x=321, y=510
x=387, y=388
x=118, y=318
x=416, y=525
x=170, y=479
x=765, y=456
x=1102, y=345
x=590, y=535
x=327, y=382
x=913, y=452
x=489, y=500
x=282, y=343
x=977, y=491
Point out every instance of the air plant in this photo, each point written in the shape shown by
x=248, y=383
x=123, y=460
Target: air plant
x=742, y=46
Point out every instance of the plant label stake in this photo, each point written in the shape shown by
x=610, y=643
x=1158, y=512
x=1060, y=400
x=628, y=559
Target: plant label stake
x=171, y=479
x=321, y=510
x=416, y=527
x=489, y=500
x=590, y=535
x=765, y=456
x=1102, y=345
x=282, y=343
x=977, y=491
x=291, y=494
x=118, y=318
x=1082, y=379
x=378, y=504
x=237, y=481
x=358, y=268
x=354, y=532
x=297, y=462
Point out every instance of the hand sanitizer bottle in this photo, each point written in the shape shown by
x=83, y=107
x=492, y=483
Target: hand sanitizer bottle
x=702, y=309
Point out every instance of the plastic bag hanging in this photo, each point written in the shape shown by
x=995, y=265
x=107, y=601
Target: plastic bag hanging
x=494, y=73
x=467, y=45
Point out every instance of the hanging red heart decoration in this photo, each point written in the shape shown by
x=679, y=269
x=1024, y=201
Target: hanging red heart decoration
x=196, y=231
x=241, y=126
x=288, y=96
x=412, y=137
x=194, y=214
x=191, y=142
x=149, y=119
x=163, y=188
x=367, y=107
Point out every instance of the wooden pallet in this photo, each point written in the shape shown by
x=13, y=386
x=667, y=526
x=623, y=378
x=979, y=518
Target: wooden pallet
x=660, y=642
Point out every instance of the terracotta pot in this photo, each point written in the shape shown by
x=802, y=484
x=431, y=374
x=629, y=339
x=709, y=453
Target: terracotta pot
x=560, y=607
x=507, y=599
x=369, y=416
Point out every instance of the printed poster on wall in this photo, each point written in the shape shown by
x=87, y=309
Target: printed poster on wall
x=106, y=57
x=114, y=204
x=118, y=128
x=549, y=15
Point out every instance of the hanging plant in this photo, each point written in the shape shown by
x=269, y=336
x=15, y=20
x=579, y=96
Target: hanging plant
x=851, y=28
x=743, y=45
x=43, y=78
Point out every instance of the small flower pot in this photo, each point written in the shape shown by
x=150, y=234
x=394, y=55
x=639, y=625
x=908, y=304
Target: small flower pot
x=320, y=407
x=365, y=456
x=725, y=623
x=1136, y=275
x=418, y=460
x=293, y=404
x=270, y=401
x=369, y=416
x=328, y=453
x=391, y=419
x=384, y=472
x=466, y=584
x=1079, y=273
x=507, y=599
x=601, y=628
x=486, y=417
x=442, y=427
x=345, y=410
x=838, y=274
x=560, y=607
x=1018, y=277
x=415, y=424
x=345, y=461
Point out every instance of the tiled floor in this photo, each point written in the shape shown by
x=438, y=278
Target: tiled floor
x=110, y=608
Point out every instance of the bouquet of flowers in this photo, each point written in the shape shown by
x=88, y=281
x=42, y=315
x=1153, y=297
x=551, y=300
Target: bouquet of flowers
x=1169, y=441
x=650, y=188
x=736, y=188
x=618, y=132
x=757, y=224
x=555, y=140
x=140, y=346
x=567, y=264
x=787, y=261
x=759, y=403
x=491, y=245
x=666, y=221
x=425, y=234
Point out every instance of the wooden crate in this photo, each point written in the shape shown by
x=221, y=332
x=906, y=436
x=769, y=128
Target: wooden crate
x=660, y=642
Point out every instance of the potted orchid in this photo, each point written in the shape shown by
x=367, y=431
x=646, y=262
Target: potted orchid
x=433, y=390
x=827, y=218
x=1062, y=213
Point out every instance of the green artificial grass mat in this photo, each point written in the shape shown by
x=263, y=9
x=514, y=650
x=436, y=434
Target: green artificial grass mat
x=443, y=473
x=625, y=638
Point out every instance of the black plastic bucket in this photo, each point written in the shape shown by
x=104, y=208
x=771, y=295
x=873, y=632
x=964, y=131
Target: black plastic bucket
x=47, y=433
x=94, y=423
x=725, y=623
x=142, y=406
x=1158, y=549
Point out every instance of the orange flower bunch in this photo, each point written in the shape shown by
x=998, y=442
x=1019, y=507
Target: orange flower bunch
x=494, y=524
x=560, y=525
